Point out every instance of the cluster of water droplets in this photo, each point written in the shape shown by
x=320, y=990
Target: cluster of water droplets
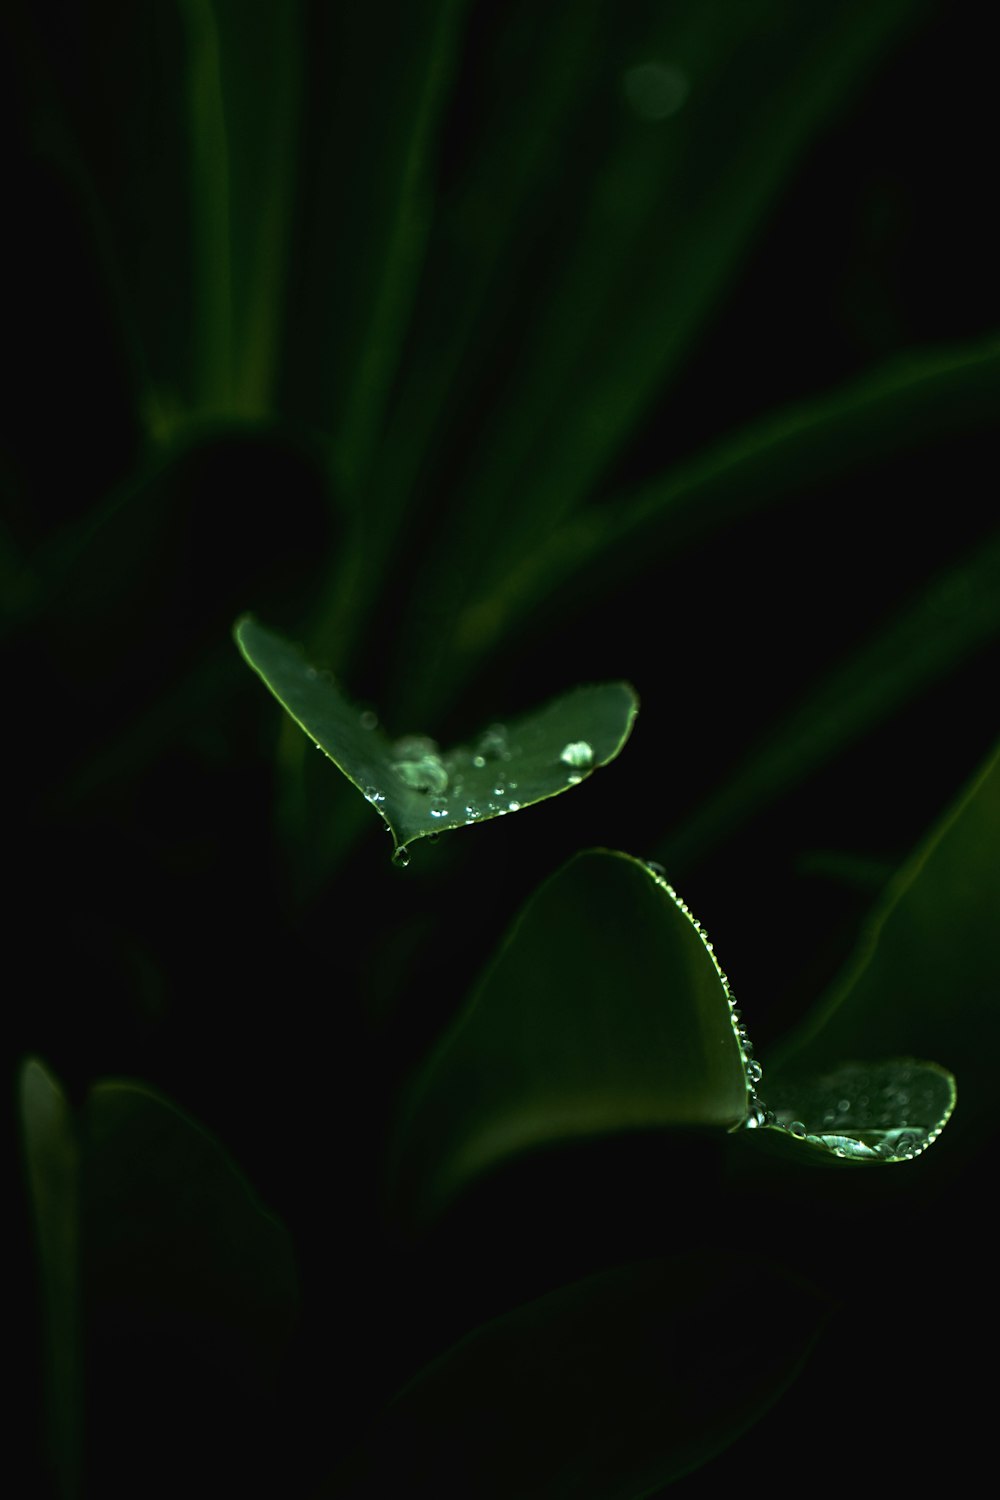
x=494, y=752
x=757, y=1112
x=454, y=783
x=890, y=1111
x=417, y=761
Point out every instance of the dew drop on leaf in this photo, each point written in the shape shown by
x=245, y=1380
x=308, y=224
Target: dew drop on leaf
x=492, y=745
x=577, y=753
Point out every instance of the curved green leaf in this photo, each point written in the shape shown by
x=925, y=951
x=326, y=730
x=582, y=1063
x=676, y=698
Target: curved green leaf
x=956, y=616
x=604, y=1010
x=420, y=791
x=892, y=409
x=174, y=1230
x=873, y=1112
x=604, y=1390
x=923, y=979
x=149, y=1235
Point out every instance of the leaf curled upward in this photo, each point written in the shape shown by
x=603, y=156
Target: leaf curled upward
x=418, y=789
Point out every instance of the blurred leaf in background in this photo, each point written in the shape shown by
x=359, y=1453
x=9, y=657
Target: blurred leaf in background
x=165, y=1284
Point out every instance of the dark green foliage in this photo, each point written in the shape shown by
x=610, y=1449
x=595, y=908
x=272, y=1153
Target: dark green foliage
x=160, y=1271
x=672, y=1386
x=486, y=351
x=421, y=791
x=603, y=1011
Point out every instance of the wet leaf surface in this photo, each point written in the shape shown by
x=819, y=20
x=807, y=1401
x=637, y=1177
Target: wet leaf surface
x=420, y=790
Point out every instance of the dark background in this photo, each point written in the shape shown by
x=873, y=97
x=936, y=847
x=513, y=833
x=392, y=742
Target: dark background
x=160, y=923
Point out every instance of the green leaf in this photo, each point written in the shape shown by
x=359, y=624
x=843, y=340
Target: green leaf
x=604, y=1390
x=402, y=251
x=244, y=88
x=923, y=980
x=483, y=229
x=420, y=791
x=175, y=1232
x=52, y=1164
x=894, y=409
x=147, y=1232
x=954, y=617
x=365, y=181
x=603, y=1011
x=873, y=1112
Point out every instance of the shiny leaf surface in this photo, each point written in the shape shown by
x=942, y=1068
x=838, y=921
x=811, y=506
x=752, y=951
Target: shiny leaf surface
x=417, y=789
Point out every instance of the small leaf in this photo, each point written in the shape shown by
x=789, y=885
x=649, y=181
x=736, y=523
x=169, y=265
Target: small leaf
x=603, y=1011
x=604, y=1390
x=923, y=978
x=420, y=791
x=874, y=1112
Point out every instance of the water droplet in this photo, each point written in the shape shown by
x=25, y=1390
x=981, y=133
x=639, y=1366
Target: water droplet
x=755, y=1071
x=576, y=754
x=418, y=765
x=439, y=812
x=479, y=761
x=499, y=790
x=374, y=795
x=424, y=775
x=471, y=812
x=513, y=807
x=655, y=91
x=843, y=1105
x=574, y=779
x=401, y=857
x=797, y=1128
x=368, y=720
x=655, y=869
x=492, y=745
